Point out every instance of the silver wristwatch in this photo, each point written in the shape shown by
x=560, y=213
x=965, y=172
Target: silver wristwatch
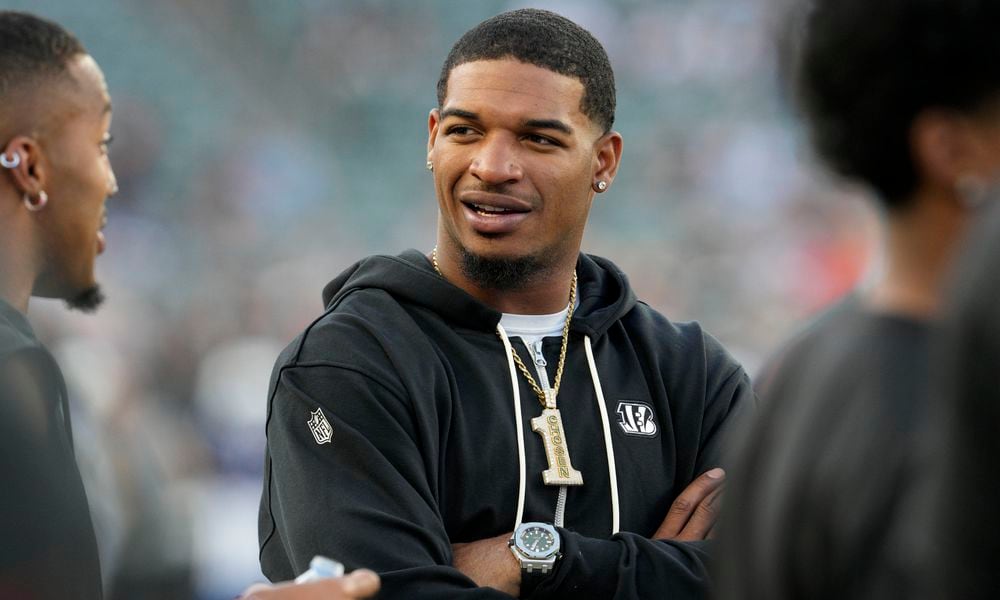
x=536, y=547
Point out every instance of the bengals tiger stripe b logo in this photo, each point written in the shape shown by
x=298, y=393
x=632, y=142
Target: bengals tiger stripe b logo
x=637, y=418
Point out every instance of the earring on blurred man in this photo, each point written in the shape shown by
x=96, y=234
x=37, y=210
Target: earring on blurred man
x=33, y=204
x=37, y=203
x=10, y=163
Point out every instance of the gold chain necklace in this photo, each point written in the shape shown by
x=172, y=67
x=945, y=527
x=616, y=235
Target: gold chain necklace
x=546, y=400
x=549, y=424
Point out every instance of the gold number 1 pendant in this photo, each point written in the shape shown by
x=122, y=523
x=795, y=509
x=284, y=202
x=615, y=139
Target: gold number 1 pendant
x=560, y=472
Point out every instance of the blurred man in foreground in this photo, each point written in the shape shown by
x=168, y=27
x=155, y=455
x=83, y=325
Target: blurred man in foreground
x=903, y=96
x=962, y=441
x=54, y=118
x=501, y=416
x=55, y=176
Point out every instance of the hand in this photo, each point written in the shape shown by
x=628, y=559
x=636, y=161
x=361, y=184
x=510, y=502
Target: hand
x=692, y=515
x=489, y=563
x=355, y=586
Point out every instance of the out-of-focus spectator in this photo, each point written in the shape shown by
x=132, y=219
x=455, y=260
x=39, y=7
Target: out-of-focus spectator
x=901, y=97
x=962, y=442
x=55, y=179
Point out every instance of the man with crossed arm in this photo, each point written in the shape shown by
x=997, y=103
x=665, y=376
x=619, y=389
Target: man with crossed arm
x=501, y=416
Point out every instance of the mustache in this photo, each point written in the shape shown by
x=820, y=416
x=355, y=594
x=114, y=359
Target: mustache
x=490, y=188
x=503, y=189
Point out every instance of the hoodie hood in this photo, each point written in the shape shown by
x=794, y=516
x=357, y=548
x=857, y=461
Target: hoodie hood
x=603, y=291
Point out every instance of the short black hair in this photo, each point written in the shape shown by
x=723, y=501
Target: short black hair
x=862, y=71
x=32, y=47
x=544, y=39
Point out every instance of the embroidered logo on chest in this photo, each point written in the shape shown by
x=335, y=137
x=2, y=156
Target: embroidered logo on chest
x=637, y=418
x=321, y=429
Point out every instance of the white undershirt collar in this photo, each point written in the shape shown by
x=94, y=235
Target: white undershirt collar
x=532, y=328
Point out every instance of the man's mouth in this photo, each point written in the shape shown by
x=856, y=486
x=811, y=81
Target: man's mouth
x=488, y=211
x=490, y=214
x=490, y=203
x=101, y=241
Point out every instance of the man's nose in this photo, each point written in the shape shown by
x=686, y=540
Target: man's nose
x=112, y=182
x=497, y=160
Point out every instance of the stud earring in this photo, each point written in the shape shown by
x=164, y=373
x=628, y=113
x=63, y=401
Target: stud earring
x=600, y=186
x=10, y=163
x=430, y=166
x=36, y=204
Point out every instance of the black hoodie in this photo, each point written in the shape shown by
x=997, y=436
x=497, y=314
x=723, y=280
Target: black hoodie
x=415, y=383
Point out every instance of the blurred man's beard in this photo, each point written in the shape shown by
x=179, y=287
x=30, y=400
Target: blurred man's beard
x=503, y=273
x=88, y=300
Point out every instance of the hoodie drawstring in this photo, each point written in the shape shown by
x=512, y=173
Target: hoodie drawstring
x=608, y=446
x=516, y=394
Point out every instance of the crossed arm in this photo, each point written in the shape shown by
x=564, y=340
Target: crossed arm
x=690, y=518
x=489, y=563
x=380, y=509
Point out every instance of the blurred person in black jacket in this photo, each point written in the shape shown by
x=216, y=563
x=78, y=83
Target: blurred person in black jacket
x=55, y=177
x=54, y=118
x=962, y=442
x=904, y=97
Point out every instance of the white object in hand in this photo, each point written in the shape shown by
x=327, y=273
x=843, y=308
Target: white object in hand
x=321, y=567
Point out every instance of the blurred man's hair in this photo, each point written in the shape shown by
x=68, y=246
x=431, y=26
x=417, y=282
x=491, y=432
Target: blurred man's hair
x=861, y=71
x=547, y=40
x=30, y=48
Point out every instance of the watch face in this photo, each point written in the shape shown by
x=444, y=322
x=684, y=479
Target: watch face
x=537, y=541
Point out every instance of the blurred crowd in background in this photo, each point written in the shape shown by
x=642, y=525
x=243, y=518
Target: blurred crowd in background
x=261, y=147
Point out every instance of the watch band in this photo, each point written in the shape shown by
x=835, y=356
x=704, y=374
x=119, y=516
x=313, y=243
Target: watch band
x=530, y=581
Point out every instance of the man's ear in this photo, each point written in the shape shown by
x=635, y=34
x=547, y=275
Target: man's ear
x=31, y=174
x=948, y=146
x=607, y=157
x=433, y=121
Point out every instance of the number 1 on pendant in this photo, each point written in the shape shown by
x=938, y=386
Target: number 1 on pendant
x=560, y=472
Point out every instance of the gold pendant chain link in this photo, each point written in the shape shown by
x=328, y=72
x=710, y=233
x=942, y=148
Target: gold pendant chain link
x=562, y=355
x=562, y=352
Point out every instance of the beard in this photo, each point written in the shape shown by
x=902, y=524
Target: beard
x=88, y=300
x=502, y=273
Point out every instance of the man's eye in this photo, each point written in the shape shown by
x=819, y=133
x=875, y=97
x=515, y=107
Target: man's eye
x=459, y=130
x=541, y=140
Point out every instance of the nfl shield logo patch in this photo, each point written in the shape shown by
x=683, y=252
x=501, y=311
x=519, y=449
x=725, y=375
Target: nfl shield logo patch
x=637, y=418
x=320, y=427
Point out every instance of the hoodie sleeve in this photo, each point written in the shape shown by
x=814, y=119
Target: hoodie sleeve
x=728, y=412
x=364, y=497
x=629, y=566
